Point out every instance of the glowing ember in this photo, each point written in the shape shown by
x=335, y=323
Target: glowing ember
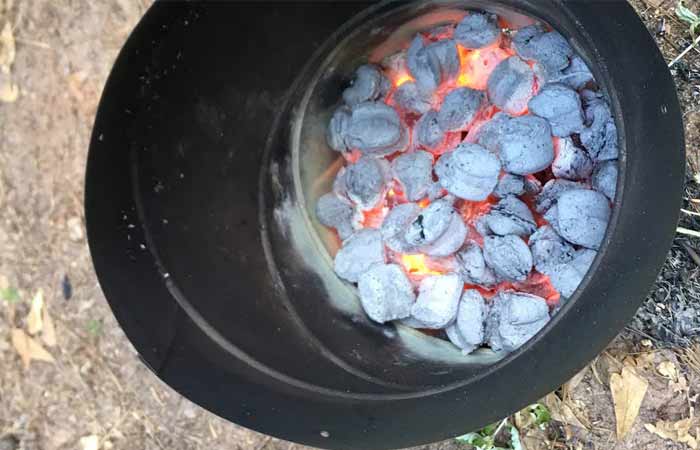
x=402, y=78
x=415, y=265
x=476, y=65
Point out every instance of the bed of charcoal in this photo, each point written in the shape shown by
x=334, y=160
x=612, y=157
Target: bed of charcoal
x=480, y=170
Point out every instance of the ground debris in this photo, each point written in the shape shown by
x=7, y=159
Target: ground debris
x=628, y=390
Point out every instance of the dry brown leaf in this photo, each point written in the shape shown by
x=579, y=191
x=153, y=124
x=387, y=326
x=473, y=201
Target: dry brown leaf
x=668, y=370
x=534, y=439
x=564, y=412
x=29, y=349
x=9, y=91
x=628, y=391
x=35, y=322
x=48, y=335
x=91, y=442
x=571, y=385
x=7, y=48
x=644, y=360
x=676, y=431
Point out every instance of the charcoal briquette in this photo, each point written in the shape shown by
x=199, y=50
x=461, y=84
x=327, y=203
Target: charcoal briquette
x=477, y=30
x=438, y=300
x=508, y=256
x=365, y=181
x=427, y=132
x=605, y=178
x=600, y=135
x=571, y=162
x=549, y=49
x=561, y=106
x=414, y=171
x=577, y=75
x=470, y=172
x=459, y=109
x=566, y=277
x=510, y=85
x=582, y=217
x=359, y=252
x=386, y=293
x=524, y=145
x=375, y=129
x=509, y=184
x=396, y=224
x=430, y=224
x=514, y=318
x=369, y=84
x=472, y=266
x=551, y=192
x=337, y=129
x=510, y=216
x=335, y=212
x=450, y=241
x=411, y=99
x=468, y=331
x=549, y=250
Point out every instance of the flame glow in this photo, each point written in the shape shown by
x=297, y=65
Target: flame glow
x=476, y=65
x=402, y=78
x=415, y=265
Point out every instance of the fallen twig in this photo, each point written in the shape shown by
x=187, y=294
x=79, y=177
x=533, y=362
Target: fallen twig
x=687, y=232
x=684, y=52
x=691, y=213
x=693, y=254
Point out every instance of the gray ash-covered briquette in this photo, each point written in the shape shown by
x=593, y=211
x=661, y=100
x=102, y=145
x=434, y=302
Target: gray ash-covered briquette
x=411, y=99
x=459, y=108
x=468, y=331
x=509, y=184
x=438, y=300
x=524, y=144
x=549, y=49
x=450, y=241
x=514, y=318
x=577, y=75
x=487, y=134
x=561, y=106
x=605, y=178
x=477, y=30
x=571, y=162
x=533, y=186
x=510, y=216
x=396, y=224
x=551, y=192
x=432, y=64
x=508, y=256
x=469, y=172
x=430, y=224
x=445, y=57
x=511, y=85
x=582, y=217
x=375, y=129
x=567, y=277
x=337, y=129
x=427, y=133
x=335, y=212
x=359, y=252
x=369, y=84
x=523, y=41
x=366, y=180
x=472, y=266
x=600, y=135
x=386, y=293
x=549, y=250
x=414, y=171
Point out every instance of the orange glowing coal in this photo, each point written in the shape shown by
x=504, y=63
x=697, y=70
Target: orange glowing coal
x=415, y=265
x=402, y=78
x=476, y=65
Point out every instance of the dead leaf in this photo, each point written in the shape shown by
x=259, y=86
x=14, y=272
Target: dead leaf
x=9, y=91
x=676, y=431
x=35, y=321
x=7, y=48
x=644, y=360
x=628, y=391
x=48, y=335
x=564, y=412
x=668, y=370
x=29, y=349
x=571, y=385
x=91, y=442
x=75, y=229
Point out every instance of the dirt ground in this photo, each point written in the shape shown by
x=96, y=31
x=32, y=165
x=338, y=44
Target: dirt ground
x=93, y=393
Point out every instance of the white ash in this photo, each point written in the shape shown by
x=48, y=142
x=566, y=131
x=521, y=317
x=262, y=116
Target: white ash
x=445, y=57
x=386, y=293
x=514, y=318
x=605, y=178
x=438, y=299
x=396, y=224
x=509, y=184
x=337, y=213
x=469, y=172
x=472, y=266
x=561, y=106
x=414, y=171
x=582, y=217
x=600, y=135
x=366, y=181
x=510, y=85
x=369, y=84
x=459, y=108
x=410, y=98
x=571, y=162
x=481, y=227
x=567, y=277
x=468, y=332
x=508, y=256
x=510, y=216
x=433, y=64
x=358, y=253
x=427, y=133
x=549, y=250
x=577, y=75
x=524, y=145
x=477, y=30
x=488, y=134
x=375, y=129
x=549, y=49
x=430, y=224
x=337, y=129
x=450, y=241
x=436, y=191
x=551, y=192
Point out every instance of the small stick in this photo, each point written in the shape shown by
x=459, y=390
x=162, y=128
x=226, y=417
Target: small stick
x=684, y=52
x=691, y=213
x=687, y=232
x=693, y=254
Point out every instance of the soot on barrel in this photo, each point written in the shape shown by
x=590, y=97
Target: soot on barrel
x=480, y=166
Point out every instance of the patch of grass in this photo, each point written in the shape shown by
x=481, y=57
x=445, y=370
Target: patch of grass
x=10, y=295
x=485, y=439
x=539, y=414
x=94, y=327
x=689, y=17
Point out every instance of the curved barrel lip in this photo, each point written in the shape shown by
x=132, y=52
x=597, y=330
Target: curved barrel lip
x=659, y=108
